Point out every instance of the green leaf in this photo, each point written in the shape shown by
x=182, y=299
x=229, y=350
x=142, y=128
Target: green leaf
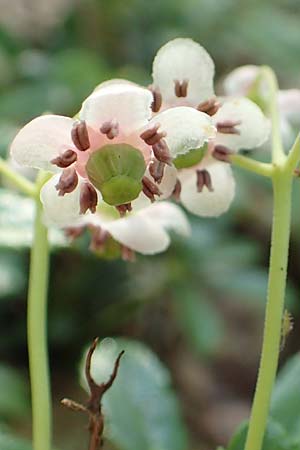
x=14, y=399
x=16, y=222
x=276, y=438
x=199, y=320
x=10, y=442
x=141, y=410
x=286, y=397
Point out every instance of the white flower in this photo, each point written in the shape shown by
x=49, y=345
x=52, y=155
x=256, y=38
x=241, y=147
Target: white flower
x=244, y=81
x=111, y=146
x=144, y=230
x=183, y=75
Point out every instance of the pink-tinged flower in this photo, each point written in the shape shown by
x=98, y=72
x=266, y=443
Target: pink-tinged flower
x=245, y=81
x=110, y=146
x=143, y=230
x=183, y=74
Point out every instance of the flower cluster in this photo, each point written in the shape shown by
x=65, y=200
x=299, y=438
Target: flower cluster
x=129, y=146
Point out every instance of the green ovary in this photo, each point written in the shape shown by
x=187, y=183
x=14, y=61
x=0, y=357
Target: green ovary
x=117, y=172
x=190, y=159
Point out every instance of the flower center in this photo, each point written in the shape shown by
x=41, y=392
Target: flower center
x=117, y=172
x=190, y=159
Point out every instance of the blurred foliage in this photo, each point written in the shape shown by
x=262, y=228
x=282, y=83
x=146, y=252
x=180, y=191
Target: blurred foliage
x=206, y=293
x=140, y=408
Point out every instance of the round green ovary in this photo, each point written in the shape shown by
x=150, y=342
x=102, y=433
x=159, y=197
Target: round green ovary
x=191, y=158
x=117, y=171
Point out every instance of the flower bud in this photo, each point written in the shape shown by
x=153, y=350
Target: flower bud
x=117, y=172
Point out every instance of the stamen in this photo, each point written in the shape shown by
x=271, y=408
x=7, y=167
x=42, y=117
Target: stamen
x=204, y=179
x=157, y=98
x=73, y=232
x=181, y=88
x=150, y=189
x=152, y=136
x=209, y=107
x=156, y=169
x=99, y=238
x=68, y=181
x=177, y=190
x=128, y=254
x=66, y=159
x=222, y=153
x=88, y=198
x=124, y=208
x=110, y=128
x=228, y=127
x=80, y=135
x=162, y=153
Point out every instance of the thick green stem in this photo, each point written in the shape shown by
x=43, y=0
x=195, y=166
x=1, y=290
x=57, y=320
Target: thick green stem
x=282, y=184
x=258, y=167
x=37, y=333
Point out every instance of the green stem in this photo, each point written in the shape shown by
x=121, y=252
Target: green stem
x=37, y=332
x=282, y=184
x=253, y=166
x=18, y=180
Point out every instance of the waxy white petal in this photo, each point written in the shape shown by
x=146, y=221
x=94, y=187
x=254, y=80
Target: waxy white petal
x=183, y=59
x=254, y=128
x=140, y=234
x=185, y=127
x=41, y=140
x=240, y=80
x=206, y=203
x=60, y=211
x=169, y=216
x=128, y=104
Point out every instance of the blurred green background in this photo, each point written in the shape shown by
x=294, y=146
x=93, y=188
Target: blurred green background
x=198, y=307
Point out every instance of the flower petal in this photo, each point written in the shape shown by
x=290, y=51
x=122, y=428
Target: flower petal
x=183, y=59
x=240, y=80
x=186, y=129
x=128, y=104
x=254, y=129
x=41, y=140
x=140, y=234
x=289, y=105
x=206, y=203
x=169, y=216
x=60, y=211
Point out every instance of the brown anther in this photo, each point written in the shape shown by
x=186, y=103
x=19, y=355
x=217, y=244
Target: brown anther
x=150, y=189
x=99, y=238
x=123, y=209
x=209, y=107
x=297, y=172
x=68, y=181
x=151, y=136
x=88, y=198
x=110, y=129
x=80, y=135
x=177, y=190
x=157, y=98
x=204, y=179
x=222, y=153
x=127, y=254
x=73, y=232
x=228, y=127
x=181, y=88
x=66, y=159
x=162, y=153
x=156, y=169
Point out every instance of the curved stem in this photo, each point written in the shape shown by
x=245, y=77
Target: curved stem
x=26, y=186
x=253, y=166
x=37, y=332
x=282, y=184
